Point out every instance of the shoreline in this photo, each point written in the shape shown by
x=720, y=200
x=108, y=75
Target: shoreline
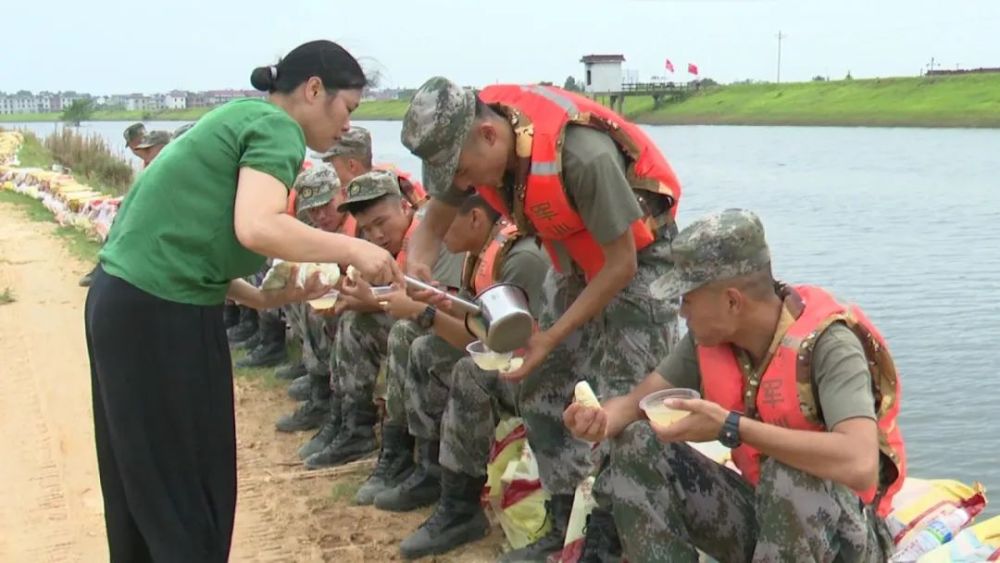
x=953, y=102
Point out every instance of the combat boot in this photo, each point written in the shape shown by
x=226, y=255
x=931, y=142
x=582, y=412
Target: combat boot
x=327, y=433
x=355, y=440
x=245, y=328
x=395, y=463
x=270, y=351
x=558, y=508
x=230, y=315
x=300, y=389
x=457, y=519
x=421, y=488
x=311, y=413
x=601, y=543
x=291, y=371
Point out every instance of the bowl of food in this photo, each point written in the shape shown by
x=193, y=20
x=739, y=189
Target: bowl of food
x=487, y=359
x=325, y=302
x=655, y=409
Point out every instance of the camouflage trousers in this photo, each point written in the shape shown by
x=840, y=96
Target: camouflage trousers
x=614, y=351
x=358, y=350
x=428, y=382
x=312, y=329
x=401, y=338
x=670, y=500
x=477, y=400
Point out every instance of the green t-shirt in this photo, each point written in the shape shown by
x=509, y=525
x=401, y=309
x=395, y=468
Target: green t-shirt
x=173, y=236
x=595, y=183
x=840, y=371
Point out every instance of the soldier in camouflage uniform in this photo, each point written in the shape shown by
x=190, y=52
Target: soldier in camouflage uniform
x=608, y=330
x=361, y=343
x=670, y=500
x=317, y=190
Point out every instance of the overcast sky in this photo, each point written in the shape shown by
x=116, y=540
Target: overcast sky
x=113, y=46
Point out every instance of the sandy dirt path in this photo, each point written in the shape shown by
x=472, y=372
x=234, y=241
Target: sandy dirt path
x=52, y=508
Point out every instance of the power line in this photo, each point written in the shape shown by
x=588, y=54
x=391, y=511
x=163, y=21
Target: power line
x=780, y=37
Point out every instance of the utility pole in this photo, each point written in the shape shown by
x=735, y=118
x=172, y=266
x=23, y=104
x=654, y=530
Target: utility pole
x=780, y=37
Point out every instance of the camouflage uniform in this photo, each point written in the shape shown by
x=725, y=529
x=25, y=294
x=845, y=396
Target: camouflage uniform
x=674, y=500
x=134, y=133
x=355, y=142
x=466, y=430
x=614, y=350
x=153, y=138
x=358, y=350
x=401, y=338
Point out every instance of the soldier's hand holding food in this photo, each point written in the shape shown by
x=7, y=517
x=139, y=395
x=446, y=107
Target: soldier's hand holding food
x=584, y=418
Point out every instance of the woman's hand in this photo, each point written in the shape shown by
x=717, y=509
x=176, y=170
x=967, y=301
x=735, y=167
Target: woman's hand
x=375, y=263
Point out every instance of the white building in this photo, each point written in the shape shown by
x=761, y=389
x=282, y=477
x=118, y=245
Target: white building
x=602, y=73
x=175, y=100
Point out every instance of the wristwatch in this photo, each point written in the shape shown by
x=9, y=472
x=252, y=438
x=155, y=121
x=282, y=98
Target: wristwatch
x=729, y=436
x=425, y=319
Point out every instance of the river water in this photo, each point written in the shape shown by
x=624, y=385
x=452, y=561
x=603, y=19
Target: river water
x=904, y=222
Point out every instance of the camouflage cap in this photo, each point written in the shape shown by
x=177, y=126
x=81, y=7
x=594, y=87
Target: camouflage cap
x=716, y=247
x=183, y=129
x=369, y=186
x=153, y=138
x=434, y=129
x=315, y=188
x=356, y=141
x=134, y=132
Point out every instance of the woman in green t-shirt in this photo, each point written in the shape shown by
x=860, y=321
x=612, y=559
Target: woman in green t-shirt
x=204, y=214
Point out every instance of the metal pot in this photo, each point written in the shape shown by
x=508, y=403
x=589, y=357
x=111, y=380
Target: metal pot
x=499, y=317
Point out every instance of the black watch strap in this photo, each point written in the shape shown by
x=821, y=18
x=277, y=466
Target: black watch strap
x=425, y=319
x=729, y=436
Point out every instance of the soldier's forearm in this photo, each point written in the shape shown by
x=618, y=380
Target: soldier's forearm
x=625, y=410
x=452, y=330
x=847, y=455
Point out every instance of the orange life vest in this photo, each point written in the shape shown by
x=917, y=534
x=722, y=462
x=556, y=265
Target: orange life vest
x=785, y=394
x=539, y=116
x=482, y=269
x=401, y=256
x=412, y=190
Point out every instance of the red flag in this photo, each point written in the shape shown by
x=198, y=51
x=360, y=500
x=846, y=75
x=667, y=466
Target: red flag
x=693, y=69
x=669, y=65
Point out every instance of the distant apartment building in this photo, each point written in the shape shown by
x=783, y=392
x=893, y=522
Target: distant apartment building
x=47, y=102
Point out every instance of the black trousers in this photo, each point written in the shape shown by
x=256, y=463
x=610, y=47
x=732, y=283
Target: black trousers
x=163, y=423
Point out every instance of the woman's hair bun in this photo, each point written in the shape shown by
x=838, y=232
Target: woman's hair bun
x=263, y=78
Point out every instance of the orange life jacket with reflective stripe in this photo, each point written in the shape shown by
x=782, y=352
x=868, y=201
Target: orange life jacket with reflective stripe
x=786, y=394
x=539, y=116
x=482, y=269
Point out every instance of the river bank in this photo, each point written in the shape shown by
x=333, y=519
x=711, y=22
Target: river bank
x=971, y=100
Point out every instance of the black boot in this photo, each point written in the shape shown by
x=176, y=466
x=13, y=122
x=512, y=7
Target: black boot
x=326, y=433
x=246, y=328
x=457, y=519
x=271, y=350
x=299, y=390
x=421, y=488
x=291, y=371
x=309, y=414
x=231, y=315
x=355, y=440
x=558, y=508
x=600, y=543
x=395, y=463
